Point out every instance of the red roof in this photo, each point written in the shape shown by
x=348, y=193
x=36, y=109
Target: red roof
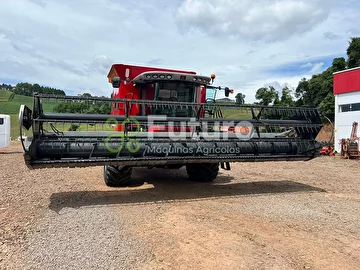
x=119, y=70
x=347, y=81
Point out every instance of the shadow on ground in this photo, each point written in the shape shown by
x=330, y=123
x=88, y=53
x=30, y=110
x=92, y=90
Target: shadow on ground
x=10, y=152
x=172, y=186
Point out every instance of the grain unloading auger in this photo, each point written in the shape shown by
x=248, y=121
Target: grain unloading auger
x=172, y=134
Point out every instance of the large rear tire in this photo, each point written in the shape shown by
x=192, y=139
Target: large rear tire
x=202, y=172
x=117, y=176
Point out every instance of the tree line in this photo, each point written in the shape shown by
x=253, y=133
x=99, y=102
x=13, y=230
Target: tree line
x=316, y=91
x=7, y=87
x=84, y=106
x=28, y=89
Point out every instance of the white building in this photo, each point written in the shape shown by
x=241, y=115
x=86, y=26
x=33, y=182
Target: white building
x=347, y=103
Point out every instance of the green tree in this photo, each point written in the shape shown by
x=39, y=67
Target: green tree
x=86, y=95
x=7, y=87
x=338, y=64
x=27, y=89
x=36, y=88
x=24, y=89
x=240, y=98
x=85, y=106
x=286, y=97
x=353, y=52
x=318, y=91
x=266, y=95
x=277, y=99
x=313, y=97
x=327, y=106
x=302, y=88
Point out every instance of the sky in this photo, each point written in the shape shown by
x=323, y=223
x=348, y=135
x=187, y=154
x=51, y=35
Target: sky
x=71, y=45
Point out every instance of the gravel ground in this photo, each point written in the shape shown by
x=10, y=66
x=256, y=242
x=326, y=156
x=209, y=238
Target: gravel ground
x=275, y=215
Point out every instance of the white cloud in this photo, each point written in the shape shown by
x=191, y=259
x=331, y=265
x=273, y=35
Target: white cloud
x=330, y=35
x=278, y=87
x=316, y=68
x=260, y=20
x=100, y=63
x=307, y=65
x=72, y=44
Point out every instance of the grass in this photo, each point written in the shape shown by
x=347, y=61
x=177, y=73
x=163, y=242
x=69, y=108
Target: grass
x=12, y=108
x=234, y=112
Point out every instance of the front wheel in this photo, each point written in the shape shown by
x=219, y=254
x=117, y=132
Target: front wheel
x=202, y=172
x=117, y=176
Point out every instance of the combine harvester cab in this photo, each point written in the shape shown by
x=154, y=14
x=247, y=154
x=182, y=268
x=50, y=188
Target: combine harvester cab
x=166, y=118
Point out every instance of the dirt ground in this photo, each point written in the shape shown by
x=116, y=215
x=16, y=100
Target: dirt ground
x=274, y=215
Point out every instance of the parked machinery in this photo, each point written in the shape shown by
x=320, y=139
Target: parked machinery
x=168, y=119
x=350, y=146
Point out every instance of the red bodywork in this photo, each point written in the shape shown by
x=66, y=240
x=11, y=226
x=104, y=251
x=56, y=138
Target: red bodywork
x=128, y=90
x=347, y=81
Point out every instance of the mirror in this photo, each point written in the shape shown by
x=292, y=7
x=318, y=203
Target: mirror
x=116, y=82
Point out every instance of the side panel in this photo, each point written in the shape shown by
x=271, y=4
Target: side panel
x=4, y=130
x=129, y=91
x=200, y=94
x=344, y=120
x=347, y=81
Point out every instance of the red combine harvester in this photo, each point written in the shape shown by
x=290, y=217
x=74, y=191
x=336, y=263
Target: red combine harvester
x=169, y=119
